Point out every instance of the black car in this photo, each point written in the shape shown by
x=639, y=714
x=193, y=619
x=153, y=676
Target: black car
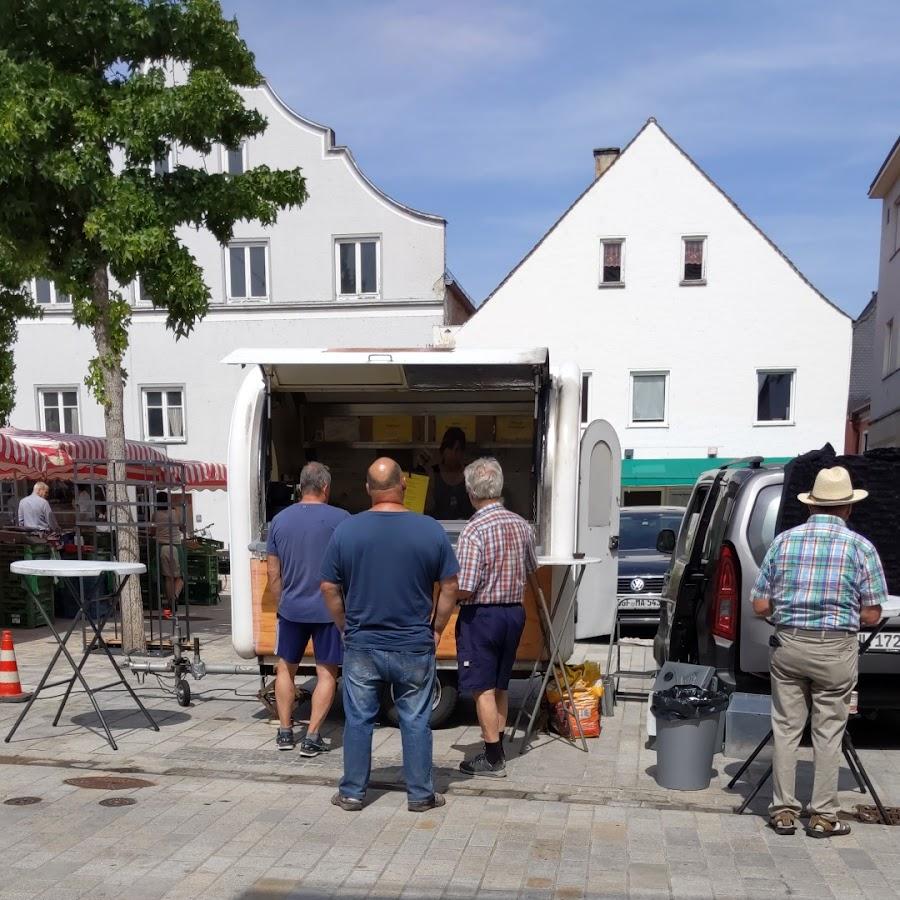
x=646, y=541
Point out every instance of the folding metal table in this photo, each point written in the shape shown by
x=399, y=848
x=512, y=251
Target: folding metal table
x=553, y=639
x=890, y=609
x=70, y=570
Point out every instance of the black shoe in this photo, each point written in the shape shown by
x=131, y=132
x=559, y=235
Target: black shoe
x=348, y=804
x=436, y=801
x=285, y=740
x=481, y=766
x=313, y=746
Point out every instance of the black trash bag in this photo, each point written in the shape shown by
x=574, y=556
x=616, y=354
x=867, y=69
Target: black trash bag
x=687, y=701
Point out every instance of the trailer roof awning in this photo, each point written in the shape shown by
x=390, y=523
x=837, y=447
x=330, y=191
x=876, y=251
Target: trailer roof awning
x=415, y=370
x=671, y=472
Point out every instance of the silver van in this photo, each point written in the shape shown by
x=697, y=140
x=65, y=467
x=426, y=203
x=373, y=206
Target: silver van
x=705, y=615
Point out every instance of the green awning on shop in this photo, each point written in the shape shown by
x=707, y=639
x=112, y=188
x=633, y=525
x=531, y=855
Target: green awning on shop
x=666, y=472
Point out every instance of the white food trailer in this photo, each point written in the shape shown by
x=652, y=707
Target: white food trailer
x=346, y=407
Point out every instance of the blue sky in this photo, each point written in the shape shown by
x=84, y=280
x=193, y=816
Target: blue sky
x=486, y=112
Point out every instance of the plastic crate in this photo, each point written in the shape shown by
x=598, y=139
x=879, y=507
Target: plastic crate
x=23, y=615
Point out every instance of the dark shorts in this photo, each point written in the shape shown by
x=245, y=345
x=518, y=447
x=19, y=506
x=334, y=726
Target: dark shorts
x=487, y=638
x=291, y=639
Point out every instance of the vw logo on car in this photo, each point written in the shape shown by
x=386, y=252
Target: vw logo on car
x=637, y=585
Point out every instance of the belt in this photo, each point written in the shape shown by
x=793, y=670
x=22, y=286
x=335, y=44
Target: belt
x=814, y=632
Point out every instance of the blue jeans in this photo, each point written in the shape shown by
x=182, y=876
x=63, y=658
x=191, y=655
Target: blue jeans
x=411, y=675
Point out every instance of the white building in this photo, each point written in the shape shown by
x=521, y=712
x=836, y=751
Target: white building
x=696, y=336
x=884, y=427
x=351, y=268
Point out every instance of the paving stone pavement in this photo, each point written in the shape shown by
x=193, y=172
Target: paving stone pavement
x=230, y=817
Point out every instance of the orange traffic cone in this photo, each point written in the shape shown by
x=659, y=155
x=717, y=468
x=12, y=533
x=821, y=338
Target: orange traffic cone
x=10, y=686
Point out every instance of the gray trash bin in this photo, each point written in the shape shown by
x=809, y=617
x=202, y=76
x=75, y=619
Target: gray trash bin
x=687, y=727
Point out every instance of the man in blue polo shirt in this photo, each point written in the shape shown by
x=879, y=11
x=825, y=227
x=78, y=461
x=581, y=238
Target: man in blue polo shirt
x=378, y=580
x=298, y=537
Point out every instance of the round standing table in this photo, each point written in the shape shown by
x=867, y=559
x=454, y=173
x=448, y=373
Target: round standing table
x=70, y=570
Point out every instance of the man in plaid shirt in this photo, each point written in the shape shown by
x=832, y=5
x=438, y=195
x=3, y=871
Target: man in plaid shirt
x=496, y=559
x=817, y=584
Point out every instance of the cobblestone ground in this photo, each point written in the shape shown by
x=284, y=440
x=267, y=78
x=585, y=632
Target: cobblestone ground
x=227, y=816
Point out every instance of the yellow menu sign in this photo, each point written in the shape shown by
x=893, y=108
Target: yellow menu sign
x=392, y=429
x=467, y=423
x=416, y=492
x=515, y=429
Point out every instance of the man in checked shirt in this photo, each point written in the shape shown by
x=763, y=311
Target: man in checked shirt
x=818, y=583
x=496, y=558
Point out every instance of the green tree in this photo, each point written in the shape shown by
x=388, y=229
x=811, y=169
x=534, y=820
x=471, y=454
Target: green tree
x=87, y=104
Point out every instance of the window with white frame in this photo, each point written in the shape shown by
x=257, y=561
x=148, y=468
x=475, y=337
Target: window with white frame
x=163, y=413
x=234, y=160
x=46, y=293
x=58, y=409
x=649, y=398
x=163, y=165
x=247, y=270
x=774, y=395
x=612, y=262
x=693, y=253
x=891, y=357
x=357, y=264
x=585, y=397
x=141, y=294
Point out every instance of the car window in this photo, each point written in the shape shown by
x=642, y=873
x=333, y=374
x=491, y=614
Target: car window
x=761, y=527
x=640, y=531
x=691, y=518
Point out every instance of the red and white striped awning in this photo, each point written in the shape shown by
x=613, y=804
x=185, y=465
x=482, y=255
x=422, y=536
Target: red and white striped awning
x=203, y=476
x=46, y=454
x=19, y=460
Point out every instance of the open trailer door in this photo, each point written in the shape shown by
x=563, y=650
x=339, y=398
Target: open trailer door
x=599, y=479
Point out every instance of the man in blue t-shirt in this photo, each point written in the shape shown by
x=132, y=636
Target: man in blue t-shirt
x=378, y=578
x=298, y=537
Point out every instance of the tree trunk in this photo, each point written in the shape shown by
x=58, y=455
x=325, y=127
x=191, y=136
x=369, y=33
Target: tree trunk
x=118, y=503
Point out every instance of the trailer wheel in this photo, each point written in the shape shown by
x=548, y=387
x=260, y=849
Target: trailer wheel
x=183, y=693
x=443, y=702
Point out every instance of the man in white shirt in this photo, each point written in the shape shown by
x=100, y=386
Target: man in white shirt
x=35, y=512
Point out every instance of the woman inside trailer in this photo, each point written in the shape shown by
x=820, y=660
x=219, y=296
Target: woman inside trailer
x=447, y=497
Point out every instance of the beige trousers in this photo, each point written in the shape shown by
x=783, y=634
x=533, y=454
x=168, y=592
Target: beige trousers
x=810, y=669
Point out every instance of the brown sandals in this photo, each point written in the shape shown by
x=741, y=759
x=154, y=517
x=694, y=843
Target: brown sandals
x=783, y=822
x=825, y=828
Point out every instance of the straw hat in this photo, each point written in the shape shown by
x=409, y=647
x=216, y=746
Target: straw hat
x=833, y=488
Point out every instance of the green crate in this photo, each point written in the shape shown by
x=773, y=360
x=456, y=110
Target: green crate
x=23, y=615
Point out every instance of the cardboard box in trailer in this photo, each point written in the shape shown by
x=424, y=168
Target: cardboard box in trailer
x=345, y=408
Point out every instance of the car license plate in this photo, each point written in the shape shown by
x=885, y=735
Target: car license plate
x=639, y=603
x=887, y=641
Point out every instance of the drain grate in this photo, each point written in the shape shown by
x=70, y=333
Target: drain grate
x=870, y=816
x=118, y=801
x=109, y=782
x=21, y=801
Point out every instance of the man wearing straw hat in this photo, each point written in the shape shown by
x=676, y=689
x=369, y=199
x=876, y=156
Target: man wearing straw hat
x=818, y=583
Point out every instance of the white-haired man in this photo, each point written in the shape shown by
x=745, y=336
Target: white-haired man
x=35, y=512
x=496, y=560
x=818, y=583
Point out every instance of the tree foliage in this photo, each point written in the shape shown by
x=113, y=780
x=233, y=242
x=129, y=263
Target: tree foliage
x=87, y=103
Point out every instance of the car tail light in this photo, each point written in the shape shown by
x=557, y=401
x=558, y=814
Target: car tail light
x=727, y=595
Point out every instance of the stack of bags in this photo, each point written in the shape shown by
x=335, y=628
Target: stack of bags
x=877, y=517
x=587, y=689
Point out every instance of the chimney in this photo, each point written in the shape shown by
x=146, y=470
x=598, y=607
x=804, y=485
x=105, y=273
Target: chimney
x=604, y=157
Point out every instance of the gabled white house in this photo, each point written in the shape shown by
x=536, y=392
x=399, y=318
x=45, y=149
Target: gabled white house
x=697, y=337
x=884, y=427
x=351, y=268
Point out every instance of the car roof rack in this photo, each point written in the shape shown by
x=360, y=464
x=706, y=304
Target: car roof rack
x=752, y=462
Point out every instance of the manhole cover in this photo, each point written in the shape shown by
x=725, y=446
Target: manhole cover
x=22, y=801
x=118, y=801
x=108, y=782
x=870, y=814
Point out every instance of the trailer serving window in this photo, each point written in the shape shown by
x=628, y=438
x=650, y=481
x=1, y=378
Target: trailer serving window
x=345, y=415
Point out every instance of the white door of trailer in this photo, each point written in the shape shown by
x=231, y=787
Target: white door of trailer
x=599, y=480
